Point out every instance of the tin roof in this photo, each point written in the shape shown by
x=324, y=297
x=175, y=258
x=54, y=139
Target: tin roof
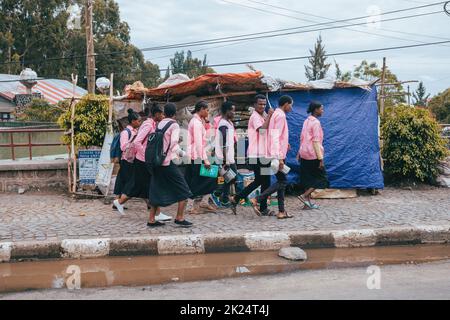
x=52, y=90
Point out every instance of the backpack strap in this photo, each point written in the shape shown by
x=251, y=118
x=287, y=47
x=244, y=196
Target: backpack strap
x=129, y=135
x=163, y=131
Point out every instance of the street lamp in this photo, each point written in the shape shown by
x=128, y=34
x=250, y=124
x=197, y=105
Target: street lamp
x=29, y=79
x=103, y=84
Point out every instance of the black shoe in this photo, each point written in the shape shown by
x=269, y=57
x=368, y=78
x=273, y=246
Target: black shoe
x=155, y=225
x=184, y=223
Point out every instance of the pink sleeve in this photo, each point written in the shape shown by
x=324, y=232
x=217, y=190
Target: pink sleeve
x=143, y=133
x=278, y=126
x=316, y=132
x=198, y=138
x=174, y=132
x=124, y=139
x=258, y=122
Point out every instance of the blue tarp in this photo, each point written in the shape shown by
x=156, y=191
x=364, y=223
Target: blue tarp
x=350, y=124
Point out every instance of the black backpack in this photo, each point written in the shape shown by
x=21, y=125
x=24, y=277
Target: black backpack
x=154, y=154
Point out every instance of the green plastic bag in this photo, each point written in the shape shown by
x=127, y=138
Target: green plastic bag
x=213, y=172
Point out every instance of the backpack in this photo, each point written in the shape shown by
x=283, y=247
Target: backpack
x=154, y=154
x=116, y=152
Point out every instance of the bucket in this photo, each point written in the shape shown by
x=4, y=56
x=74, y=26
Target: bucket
x=228, y=175
x=276, y=165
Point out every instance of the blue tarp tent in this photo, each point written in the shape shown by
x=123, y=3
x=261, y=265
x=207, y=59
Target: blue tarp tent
x=350, y=124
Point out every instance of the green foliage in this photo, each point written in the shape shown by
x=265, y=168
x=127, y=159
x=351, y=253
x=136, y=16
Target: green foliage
x=440, y=106
x=192, y=67
x=413, y=145
x=39, y=110
x=31, y=30
x=318, y=67
x=90, y=122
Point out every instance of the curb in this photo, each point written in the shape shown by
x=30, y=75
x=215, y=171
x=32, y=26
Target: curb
x=226, y=242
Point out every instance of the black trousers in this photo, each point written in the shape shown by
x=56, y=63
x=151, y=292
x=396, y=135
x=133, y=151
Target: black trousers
x=262, y=178
x=279, y=187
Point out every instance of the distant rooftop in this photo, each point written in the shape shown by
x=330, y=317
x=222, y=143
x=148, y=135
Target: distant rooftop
x=52, y=90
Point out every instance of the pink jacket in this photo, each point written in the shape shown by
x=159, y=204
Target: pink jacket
x=140, y=143
x=172, y=138
x=197, y=141
x=278, y=136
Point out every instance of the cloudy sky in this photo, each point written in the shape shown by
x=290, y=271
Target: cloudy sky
x=156, y=23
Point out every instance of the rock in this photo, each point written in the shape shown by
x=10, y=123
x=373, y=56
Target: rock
x=443, y=181
x=21, y=190
x=293, y=253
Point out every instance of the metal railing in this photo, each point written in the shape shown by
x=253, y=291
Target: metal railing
x=30, y=145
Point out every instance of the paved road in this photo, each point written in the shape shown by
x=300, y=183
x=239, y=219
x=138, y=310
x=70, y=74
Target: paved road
x=426, y=281
x=56, y=217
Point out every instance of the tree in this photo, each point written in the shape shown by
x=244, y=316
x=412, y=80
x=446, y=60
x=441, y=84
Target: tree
x=318, y=67
x=421, y=96
x=440, y=106
x=41, y=110
x=91, y=119
x=33, y=30
x=370, y=71
x=192, y=67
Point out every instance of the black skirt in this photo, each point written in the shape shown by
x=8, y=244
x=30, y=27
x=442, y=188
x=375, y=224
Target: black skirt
x=168, y=186
x=124, y=178
x=199, y=185
x=140, y=181
x=311, y=176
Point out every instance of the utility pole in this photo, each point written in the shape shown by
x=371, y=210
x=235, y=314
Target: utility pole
x=90, y=59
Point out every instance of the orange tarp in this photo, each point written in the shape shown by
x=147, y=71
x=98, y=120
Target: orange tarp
x=208, y=84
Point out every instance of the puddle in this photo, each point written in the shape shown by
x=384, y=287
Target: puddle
x=143, y=271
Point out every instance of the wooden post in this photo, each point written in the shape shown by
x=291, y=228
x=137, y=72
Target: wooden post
x=73, y=156
x=110, y=119
x=409, y=97
x=90, y=58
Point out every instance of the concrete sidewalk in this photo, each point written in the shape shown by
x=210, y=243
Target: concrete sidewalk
x=54, y=226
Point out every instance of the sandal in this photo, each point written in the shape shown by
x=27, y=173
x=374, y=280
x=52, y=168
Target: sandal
x=284, y=215
x=155, y=224
x=268, y=213
x=254, y=203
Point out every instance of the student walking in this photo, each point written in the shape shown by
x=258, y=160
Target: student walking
x=311, y=156
x=197, y=151
x=224, y=148
x=124, y=180
x=167, y=184
x=257, y=154
x=278, y=147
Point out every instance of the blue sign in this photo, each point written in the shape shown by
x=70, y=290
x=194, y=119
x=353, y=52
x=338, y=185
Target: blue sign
x=88, y=166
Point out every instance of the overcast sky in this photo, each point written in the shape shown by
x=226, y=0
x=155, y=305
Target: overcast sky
x=155, y=23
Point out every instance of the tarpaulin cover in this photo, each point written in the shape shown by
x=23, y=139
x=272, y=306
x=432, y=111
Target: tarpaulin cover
x=350, y=124
x=204, y=85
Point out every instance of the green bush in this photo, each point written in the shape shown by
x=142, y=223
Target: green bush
x=413, y=145
x=40, y=110
x=91, y=119
x=440, y=106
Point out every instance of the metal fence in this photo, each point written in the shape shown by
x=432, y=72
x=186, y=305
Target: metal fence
x=21, y=143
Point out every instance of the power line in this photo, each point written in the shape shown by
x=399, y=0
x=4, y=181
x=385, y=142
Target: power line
x=333, y=21
x=240, y=37
x=307, y=57
x=291, y=58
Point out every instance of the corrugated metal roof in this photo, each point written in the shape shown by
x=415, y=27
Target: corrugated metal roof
x=53, y=90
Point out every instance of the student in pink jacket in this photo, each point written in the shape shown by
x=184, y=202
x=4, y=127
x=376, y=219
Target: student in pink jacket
x=198, y=154
x=124, y=179
x=277, y=149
